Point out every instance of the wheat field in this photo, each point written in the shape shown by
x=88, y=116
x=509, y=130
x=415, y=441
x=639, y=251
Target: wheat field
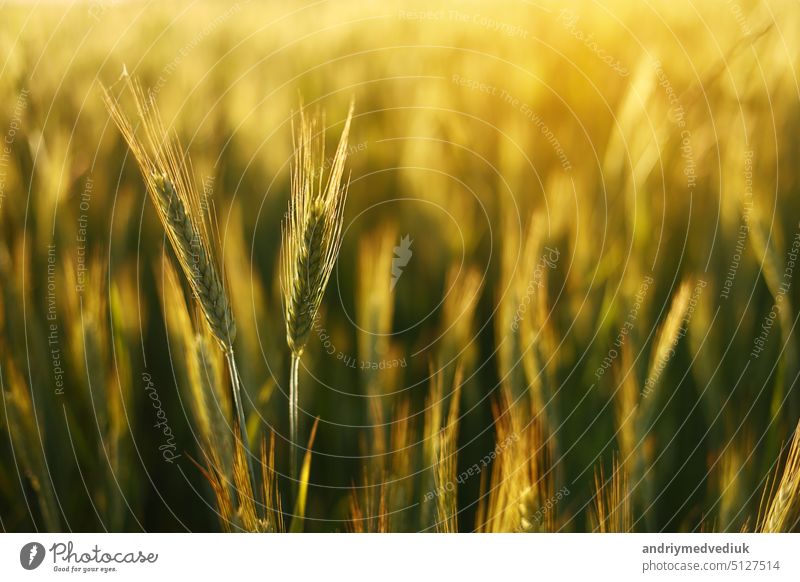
x=356, y=266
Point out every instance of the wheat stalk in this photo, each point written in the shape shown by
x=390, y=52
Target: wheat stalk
x=171, y=188
x=27, y=440
x=311, y=238
x=644, y=415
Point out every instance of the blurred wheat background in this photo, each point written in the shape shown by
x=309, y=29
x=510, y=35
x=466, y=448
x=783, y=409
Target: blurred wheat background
x=564, y=298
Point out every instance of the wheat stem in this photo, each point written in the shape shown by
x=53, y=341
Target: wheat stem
x=293, y=408
x=167, y=175
x=312, y=237
x=237, y=388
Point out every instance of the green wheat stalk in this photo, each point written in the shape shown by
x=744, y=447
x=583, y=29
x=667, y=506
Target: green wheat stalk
x=171, y=188
x=312, y=236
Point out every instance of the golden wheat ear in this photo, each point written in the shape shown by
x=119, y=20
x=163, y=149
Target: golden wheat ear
x=171, y=188
x=312, y=229
x=167, y=175
x=312, y=237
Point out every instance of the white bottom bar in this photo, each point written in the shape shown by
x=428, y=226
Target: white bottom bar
x=389, y=557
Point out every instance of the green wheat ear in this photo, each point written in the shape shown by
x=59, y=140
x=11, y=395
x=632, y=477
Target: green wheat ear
x=307, y=290
x=172, y=189
x=191, y=249
x=166, y=171
x=312, y=236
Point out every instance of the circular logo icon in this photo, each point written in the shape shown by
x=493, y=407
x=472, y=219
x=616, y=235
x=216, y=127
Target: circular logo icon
x=31, y=555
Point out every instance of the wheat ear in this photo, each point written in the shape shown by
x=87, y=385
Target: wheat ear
x=312, y=236
x=171, y=188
